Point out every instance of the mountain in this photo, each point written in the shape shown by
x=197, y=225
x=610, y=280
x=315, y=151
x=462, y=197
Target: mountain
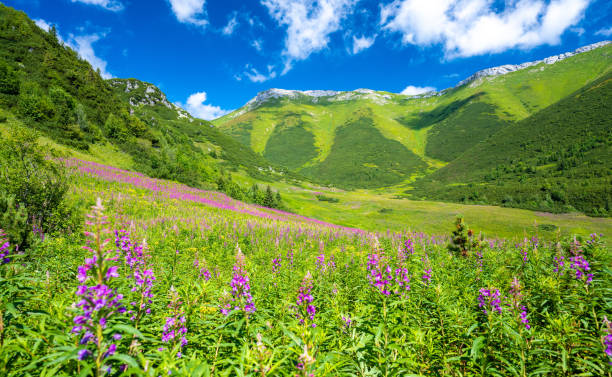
x=369, y=139
x=46, y=86
x=558, y=159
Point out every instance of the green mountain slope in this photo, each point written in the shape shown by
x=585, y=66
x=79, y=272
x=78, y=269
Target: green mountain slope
x=300, y=129
x=44, y=85
x=555, y=160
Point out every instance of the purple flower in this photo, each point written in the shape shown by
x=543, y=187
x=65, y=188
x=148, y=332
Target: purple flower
x=523, y=316
x=347, y=322
x=559, y=262
x=276, y=264
x=607, y=338
x=174, y=329
x=241, y=298
x=83, y=354
x=4, y=249
x=581, y=268
x=98, y=301
x=304, y=309
x=324, y=266
x=141, y=276
x=426, y=270
x=489, y=298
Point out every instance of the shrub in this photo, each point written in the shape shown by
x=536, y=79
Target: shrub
x=34, y=180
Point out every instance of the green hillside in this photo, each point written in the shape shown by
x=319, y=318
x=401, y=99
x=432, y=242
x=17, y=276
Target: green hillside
x=558, y=159
x=46, y=86
x=300, y=130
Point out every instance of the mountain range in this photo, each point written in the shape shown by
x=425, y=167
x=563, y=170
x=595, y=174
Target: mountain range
x=535, y=135
x=374, y=139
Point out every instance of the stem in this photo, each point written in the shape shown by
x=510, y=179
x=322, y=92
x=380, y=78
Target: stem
x=386, y=336
x=1, y=328
x=212, y=370
x=99, y=344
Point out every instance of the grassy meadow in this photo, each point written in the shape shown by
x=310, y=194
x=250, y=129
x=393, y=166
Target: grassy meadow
x=163, y=279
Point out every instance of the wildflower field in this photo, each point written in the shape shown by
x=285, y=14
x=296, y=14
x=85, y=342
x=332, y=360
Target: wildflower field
x=161, y=279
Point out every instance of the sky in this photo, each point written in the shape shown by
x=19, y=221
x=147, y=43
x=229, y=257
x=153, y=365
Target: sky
x=212, y=56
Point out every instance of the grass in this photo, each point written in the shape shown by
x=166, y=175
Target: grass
x=377, y=162
x=237, y=287
x=362, y=209
x=438, y=129
x=556, y=158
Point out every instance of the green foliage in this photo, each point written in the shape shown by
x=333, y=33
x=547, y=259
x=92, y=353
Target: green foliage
x=64, y=105
x=436, y=115
x=329, y=199
x=9, y=80
x=474, y=122
x=32, y=180
x=556, y=160
x=462, y=239
x=435, y=328
x=377, y=162
x=14, y=220
x=290, y=146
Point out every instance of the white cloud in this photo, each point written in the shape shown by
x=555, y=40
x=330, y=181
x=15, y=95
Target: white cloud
x=196, y=107
x=231, y=25
x=362, y=43
x=257, y=44
x=474, y=27
x=309, y=24
x=606, y=32
x=256, y=76
x=82, y=44
x=112, y=5
x=414, y=90
x=190, y=11
x=43, y=24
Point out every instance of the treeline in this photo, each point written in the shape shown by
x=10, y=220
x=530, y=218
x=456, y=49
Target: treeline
x=254, y=194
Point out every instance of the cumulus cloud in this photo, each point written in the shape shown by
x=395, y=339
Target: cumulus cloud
x=112, y=5
x=308, y=23
x=231, y=25
x=256, y=76
x=196, y=107
x=606, y=32
x=43, y=24
x=476, y=27
x=411, y=90
x=190, y=11
x=83, y=45
x=362, y=43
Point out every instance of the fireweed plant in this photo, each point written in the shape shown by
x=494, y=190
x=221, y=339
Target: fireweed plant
x=67, y=311
x=98, y=299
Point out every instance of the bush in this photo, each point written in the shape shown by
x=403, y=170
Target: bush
x=323, y=198
x=14, y=221
x=9, y=81
x=33, y=180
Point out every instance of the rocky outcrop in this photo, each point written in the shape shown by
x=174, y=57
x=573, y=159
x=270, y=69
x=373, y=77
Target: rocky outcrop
x=140, y=93
x=504, y=69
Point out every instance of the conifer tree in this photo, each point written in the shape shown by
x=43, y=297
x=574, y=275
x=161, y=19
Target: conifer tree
x=462, y=238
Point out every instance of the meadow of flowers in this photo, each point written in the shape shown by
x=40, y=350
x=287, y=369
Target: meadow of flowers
x=163, y=279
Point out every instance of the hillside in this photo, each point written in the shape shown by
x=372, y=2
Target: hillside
x=555, y=160
x=45, y=85
x=369, y=139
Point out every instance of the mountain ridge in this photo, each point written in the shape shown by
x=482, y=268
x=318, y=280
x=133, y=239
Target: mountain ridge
x=315, y=94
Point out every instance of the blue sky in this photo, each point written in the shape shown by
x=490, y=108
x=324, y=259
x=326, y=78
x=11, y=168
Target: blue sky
x=211, y=56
